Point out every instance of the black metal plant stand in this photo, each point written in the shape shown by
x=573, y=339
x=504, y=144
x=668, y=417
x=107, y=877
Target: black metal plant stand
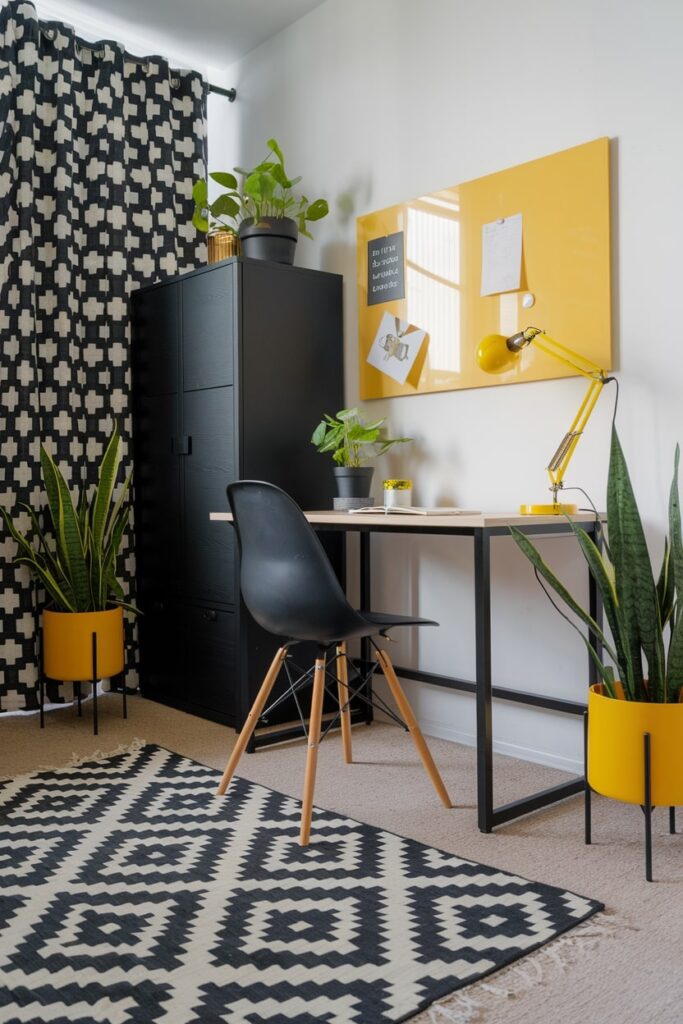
x=77, y=690
x=646, y=807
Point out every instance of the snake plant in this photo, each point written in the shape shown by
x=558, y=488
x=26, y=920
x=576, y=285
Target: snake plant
x=75, y=558
x=644, y=647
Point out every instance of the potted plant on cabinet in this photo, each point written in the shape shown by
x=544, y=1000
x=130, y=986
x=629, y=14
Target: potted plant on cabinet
x=74, y=560
x=635, y=715
x=274, y=215
x=265, y=212
x=352, y=442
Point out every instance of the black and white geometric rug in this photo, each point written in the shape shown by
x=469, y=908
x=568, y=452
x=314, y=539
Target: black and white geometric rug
x=129, y=893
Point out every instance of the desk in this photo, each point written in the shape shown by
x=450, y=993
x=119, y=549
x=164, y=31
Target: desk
x=481, y=528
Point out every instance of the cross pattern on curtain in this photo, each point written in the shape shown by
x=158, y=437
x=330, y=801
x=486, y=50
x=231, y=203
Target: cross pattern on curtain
x=98, y=155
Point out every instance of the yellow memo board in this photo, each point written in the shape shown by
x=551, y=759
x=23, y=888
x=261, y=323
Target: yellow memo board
x=426, y=308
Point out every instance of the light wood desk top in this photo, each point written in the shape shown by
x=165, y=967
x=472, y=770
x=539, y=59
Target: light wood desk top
x=480, y=520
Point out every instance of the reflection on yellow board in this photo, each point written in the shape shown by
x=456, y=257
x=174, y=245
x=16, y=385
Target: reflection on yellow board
x=421, y=264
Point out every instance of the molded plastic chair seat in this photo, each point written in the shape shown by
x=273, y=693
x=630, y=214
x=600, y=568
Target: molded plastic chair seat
x=384, y=620
x=291, y=590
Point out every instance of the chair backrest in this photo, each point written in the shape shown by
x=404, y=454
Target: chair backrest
x=287, y=581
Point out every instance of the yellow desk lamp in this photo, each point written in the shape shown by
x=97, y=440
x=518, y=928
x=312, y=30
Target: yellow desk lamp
x=496, y=354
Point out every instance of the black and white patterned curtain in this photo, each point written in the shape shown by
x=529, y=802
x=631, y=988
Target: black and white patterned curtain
x=98, y=154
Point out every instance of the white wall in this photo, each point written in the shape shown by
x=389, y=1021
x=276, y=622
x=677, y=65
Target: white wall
x=376, y=102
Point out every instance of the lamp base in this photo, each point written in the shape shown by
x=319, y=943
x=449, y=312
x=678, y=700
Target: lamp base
x=556, y=509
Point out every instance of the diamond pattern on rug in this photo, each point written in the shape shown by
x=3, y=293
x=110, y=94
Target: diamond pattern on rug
x=103, y=932
x=157, y=901
x=156, y=859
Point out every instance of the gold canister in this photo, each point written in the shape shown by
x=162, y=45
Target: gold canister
x=222, y=245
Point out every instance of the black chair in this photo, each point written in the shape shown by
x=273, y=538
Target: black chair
x=291, y=590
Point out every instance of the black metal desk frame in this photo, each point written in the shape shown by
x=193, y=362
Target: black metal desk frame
x=488, y=815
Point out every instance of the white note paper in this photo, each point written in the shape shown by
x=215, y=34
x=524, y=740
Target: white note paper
x=501, y=255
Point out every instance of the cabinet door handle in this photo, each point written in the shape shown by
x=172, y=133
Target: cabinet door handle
x=210, y=615
x=183, y=445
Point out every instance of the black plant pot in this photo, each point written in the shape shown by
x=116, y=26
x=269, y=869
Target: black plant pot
x=269, y=238
x=353, y=481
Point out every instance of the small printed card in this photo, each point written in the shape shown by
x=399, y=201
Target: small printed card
x=395, y=347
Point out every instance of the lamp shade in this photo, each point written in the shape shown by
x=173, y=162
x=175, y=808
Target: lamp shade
x=494, y=355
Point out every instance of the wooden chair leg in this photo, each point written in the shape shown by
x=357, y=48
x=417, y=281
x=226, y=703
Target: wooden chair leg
x=407, y=714
x=313, y=743
x=344, y=710
x=252, y=719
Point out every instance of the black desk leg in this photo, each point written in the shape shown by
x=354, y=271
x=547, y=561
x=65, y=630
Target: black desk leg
x=366, y=605
x=482, y=612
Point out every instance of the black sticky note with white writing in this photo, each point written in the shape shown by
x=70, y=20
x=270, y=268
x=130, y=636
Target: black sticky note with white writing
x=385, y=269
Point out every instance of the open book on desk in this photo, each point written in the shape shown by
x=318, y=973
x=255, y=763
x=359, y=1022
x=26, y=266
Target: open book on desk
x=411, y=510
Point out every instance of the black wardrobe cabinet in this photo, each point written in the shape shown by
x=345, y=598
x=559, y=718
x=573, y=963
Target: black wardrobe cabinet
x=233, y=368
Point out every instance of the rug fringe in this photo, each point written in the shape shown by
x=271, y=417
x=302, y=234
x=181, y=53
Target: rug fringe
x=471, y=1005
x=76, y=760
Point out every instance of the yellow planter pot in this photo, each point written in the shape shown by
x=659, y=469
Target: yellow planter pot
x=616, y=753
x=67, y=644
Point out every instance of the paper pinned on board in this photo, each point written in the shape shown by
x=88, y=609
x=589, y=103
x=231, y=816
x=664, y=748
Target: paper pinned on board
x=501, y=255
x=395, y=347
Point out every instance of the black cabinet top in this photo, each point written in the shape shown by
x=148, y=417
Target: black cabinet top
x=283, y=268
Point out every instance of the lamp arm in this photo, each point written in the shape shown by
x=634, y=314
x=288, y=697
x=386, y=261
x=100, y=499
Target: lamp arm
x=566, y=355
x=557, y=466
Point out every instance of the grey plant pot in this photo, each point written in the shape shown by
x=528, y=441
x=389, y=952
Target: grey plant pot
x=269, y=238
x=353, y=481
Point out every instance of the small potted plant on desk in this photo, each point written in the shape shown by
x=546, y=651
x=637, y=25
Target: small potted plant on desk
x=352, y=442
x=634, y=735
x=75, y=562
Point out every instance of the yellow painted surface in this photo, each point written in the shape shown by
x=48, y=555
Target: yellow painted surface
x=560, y=509
x=616, y=754
x=67, y=644
x=564, y=200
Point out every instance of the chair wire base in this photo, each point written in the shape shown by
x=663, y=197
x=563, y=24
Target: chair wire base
x=305, y=676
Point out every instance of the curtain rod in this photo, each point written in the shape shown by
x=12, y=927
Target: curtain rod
x=230, y=93
x=50, y=33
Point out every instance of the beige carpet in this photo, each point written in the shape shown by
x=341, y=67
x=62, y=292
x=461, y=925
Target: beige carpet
x=623, y=967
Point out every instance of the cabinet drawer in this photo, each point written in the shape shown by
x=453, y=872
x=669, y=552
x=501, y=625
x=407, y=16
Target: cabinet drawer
x=209, y=468
x=156, y=339
x=209, y=644
x=208, y=329
x=157, y=496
